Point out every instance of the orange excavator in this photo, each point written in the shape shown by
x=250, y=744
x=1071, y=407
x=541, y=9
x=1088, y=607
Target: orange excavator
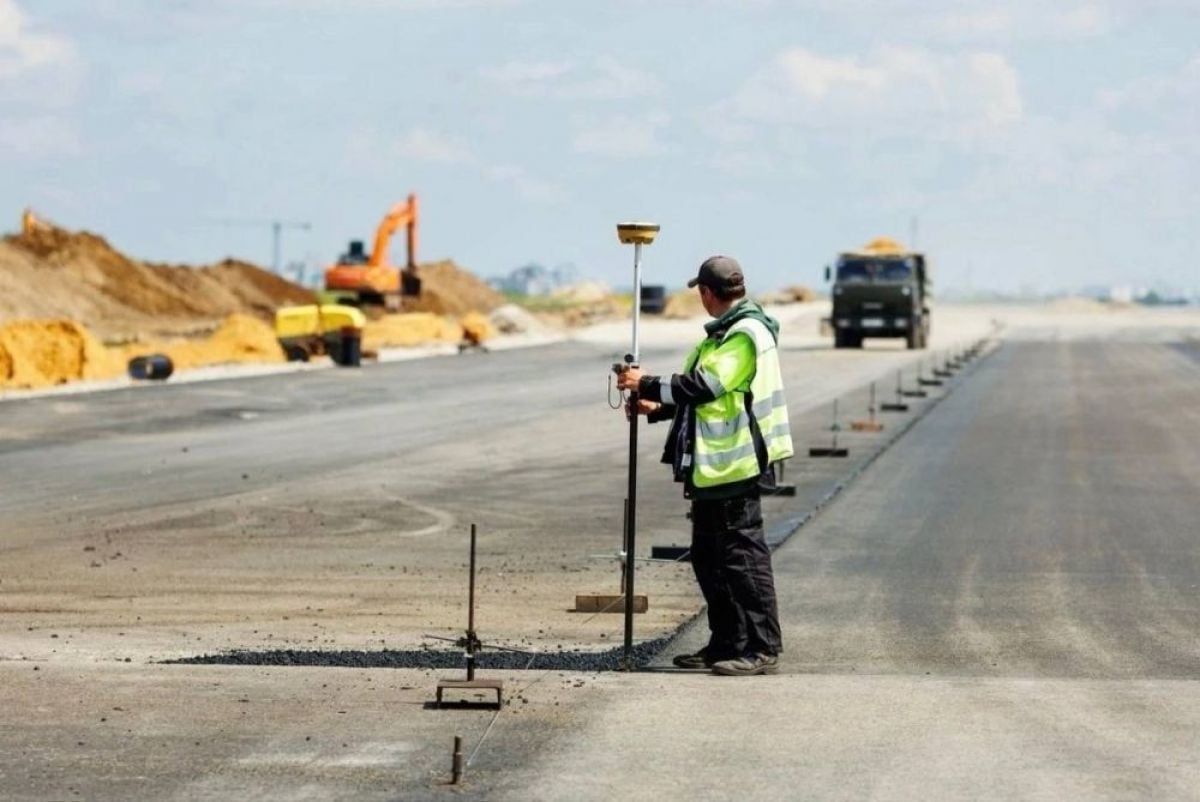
x=363, y=280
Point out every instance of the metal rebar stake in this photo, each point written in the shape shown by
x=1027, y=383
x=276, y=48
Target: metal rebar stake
x=471, y=639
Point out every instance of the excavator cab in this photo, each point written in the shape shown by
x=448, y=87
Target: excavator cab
x=356, y=254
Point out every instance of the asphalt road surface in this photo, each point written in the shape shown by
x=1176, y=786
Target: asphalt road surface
x=1004, y=605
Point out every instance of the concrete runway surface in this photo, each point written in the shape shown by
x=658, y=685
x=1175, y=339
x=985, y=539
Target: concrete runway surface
x=1003, y=605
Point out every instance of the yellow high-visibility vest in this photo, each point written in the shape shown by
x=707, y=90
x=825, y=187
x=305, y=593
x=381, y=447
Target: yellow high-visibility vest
x=725, y=450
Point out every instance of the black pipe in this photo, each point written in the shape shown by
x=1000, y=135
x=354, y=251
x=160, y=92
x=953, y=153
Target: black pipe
x=630, y=528
x=471, y=613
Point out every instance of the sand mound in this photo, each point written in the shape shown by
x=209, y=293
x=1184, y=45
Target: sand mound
x=796, y=293
x=240, y=338
x=40, y=353
x=682, y=305
x=409, y=329
x=475, y=327
x=447, y=289
x=513, y=319
x=54, y=273
x=584, y=292
x=1078, y=305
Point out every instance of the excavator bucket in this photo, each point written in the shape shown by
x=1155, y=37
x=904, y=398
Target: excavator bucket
x=410, y=283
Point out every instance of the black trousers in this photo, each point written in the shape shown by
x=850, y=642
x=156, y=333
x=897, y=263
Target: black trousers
x=733, y=566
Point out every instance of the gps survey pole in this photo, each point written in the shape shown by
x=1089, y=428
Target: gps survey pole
x=636, y=234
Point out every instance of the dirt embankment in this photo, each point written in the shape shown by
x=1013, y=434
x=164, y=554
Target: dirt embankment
x=52, y=273
x=447, y=289
x=74, y=307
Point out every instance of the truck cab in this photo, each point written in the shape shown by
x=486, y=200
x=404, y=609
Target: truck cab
x=880, y=291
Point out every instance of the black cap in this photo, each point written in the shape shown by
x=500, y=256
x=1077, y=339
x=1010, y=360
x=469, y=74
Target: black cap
x=720, y=273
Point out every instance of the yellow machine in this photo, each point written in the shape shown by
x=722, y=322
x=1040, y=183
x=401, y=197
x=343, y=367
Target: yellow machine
x=312, y=330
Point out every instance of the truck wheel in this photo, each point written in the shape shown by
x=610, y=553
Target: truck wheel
x=839, y=340
x=296, y=353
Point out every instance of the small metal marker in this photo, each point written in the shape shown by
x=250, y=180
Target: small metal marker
x=914, y=393
x=456, y=762
x=471, y=644
x=922, y=380
x=833, y=450
x=870, y=424
x=944, y=371
x=898, y=405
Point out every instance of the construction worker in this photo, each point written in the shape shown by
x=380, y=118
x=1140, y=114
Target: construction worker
x=729, y=426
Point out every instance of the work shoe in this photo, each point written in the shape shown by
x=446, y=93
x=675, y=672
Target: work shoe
x=747, y=665
x=698, y=660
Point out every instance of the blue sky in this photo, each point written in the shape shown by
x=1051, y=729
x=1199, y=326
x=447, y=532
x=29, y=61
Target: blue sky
x=1040, y=144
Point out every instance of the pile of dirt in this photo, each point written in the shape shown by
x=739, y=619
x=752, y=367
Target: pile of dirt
x=447, y=289
x=513, y=319
x=50, y=272
x=40, y=353
x=476, y=328
x=584, y=292
x=683, y=305
x=409, y=329
x=794, y=294
x=239, y=339
x=1078, y=305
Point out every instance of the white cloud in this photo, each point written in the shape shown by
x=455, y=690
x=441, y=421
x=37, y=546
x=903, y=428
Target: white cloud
x=22, y=50
x=891, y=92
x=606, y=78
x=622, y=136
x=39, y=73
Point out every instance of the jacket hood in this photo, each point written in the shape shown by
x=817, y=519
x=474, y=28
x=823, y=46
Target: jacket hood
x=743, y=309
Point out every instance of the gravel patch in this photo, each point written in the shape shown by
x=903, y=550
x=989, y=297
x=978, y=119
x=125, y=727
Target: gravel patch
x=559, y=660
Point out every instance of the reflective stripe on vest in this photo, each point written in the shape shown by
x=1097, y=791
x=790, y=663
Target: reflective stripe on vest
x=725, y=450
x=770, y=405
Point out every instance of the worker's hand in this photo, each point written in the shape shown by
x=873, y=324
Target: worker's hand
x=628, y=379
x=644, y=407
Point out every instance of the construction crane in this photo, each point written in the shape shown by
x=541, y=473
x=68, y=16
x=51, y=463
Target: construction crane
x=369, y=280
x=277, y=227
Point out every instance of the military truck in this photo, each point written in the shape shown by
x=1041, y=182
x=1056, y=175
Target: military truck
x=881, y=290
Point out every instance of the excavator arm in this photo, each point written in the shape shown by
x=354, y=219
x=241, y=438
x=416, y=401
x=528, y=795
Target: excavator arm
x=402, y=214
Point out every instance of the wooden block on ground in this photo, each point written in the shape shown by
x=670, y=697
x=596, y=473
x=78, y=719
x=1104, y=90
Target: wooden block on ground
x=866, y=426
x=608, y=603
x=487, y=685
